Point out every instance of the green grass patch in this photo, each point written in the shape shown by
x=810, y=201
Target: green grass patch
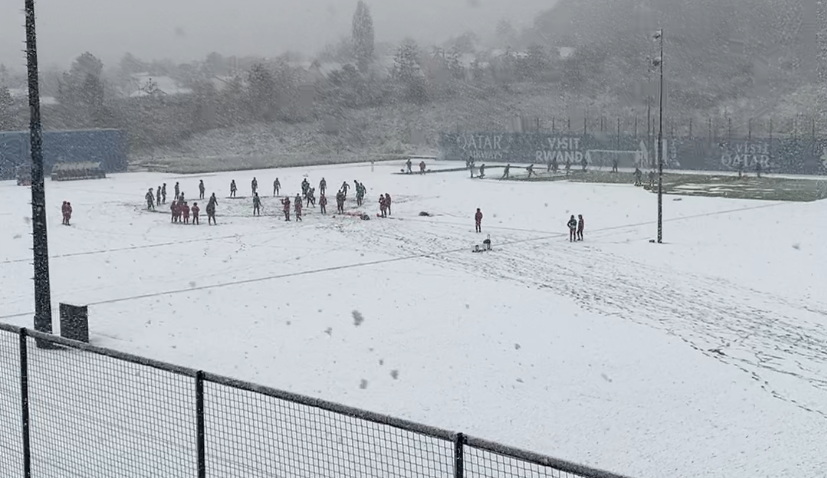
x=767, y=188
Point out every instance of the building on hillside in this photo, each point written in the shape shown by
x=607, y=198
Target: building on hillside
x=144, y=84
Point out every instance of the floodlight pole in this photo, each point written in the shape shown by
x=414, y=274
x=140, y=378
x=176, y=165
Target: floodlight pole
x=42, y=292
x=660, y=148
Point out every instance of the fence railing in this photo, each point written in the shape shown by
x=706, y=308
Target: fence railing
x=713, y=128
x=69, y=409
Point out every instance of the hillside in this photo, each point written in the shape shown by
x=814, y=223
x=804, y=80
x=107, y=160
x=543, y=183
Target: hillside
x=715, y=49
x=385, y=132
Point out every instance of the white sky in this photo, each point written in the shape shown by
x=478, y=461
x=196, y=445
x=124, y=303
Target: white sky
x=190, y=29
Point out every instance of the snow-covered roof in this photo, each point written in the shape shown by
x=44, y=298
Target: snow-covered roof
x=140, y=82
x=24, y=93
x=565, y=51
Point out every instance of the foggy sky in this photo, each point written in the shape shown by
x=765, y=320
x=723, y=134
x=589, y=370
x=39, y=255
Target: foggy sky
x=190, y=29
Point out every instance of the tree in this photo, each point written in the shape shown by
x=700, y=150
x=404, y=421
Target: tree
x=86, y=64
x=204, y=116
x=406, y=62
x=535, y=64
x=467, y=42
x=262, y=93
x=506, y=33
x=6, y=109
x=82, y=85
x=4, y=75
x=362, y=36
x=130, y=65
x=91, y=92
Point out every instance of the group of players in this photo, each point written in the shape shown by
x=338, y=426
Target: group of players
x=181, y=211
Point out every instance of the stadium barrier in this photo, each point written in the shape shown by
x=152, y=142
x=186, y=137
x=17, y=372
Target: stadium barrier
x=70, y=409
x=787, y=147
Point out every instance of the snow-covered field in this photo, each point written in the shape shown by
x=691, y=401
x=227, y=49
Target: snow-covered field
x=702, y=357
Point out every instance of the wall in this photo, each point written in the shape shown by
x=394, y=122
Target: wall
x=107, y=146
x=784, y=155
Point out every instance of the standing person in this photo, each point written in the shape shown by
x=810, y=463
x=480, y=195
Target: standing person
x=530, y=170
x=614, y=164
x=758, y=168
x=548, y=166
x=201, y=189
x=323, y=204
x=233, y=188
x=506, y=171
x=345, y=187
x=158, y=197
x=482, y=171
x=150, y=200
x=422, y=167
x=195, y=210
x=173, y=209
x=276, y=187
x=388, y=203
x=285, y=203
x=360, y=194
x=211, y=210
x=554, y=166
x=177, y=190
x=580, y=225
x=652, y=179
x=584, y=163
x=478, y=220
x=181, y=197
x=408, y=165
x=164, y=193
x=256, y=205
x=64, y=210
x=305, y=186
x=568, y=166
x=309, y=197
x=297, y=208
x=254, y=185
x=572, y=228
x=185, y=210
x=638, y=175
x=382, y=206
x=322, y=186
x=340, y=202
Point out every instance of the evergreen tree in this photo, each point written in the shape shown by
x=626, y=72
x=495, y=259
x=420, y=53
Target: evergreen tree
x=362, y=36
x=406, y=62
x=91, y=92
x=4, y=75
x=6, y=109
x=204, y=116
x=262, y=93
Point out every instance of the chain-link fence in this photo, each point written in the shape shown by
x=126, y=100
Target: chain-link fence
x=69, y=409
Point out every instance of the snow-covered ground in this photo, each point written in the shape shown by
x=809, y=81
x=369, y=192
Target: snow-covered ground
x=702, y=357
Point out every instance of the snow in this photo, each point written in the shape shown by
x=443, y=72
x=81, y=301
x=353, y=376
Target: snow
x=700, y=357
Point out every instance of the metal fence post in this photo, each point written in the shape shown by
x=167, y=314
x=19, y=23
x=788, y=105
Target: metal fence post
x=199, y=425
x=24, y=403
x=459, y=456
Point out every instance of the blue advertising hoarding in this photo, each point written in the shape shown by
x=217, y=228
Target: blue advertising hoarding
x=779, y=155
x=107, y=146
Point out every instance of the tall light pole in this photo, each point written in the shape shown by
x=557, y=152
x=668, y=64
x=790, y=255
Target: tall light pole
x=659, y=63
x=42, y=290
